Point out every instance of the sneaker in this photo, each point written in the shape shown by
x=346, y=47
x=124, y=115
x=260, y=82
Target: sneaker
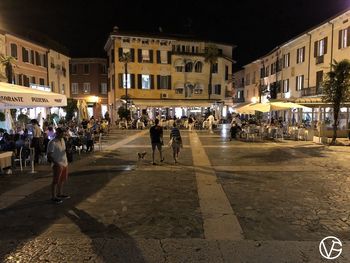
x=162, y=160
x=56, y=200
x=63, y=196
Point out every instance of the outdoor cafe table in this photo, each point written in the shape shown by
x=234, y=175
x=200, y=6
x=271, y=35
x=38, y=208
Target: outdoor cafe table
x=5, y=159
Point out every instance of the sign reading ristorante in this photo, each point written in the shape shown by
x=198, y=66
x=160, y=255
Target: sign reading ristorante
x=11, y=99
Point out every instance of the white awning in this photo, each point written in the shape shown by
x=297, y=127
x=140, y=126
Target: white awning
x=172, y=103
x=198, y=86
x=179, y=63
x=179, y=85
x=13, y=96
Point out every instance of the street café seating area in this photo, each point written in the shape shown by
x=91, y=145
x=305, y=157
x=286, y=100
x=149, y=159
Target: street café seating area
x=265, y=131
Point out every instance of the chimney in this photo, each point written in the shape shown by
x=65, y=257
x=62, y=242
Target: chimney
x=115, y=29
x=160, y=29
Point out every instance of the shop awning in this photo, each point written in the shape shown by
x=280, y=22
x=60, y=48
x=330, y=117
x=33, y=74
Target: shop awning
x=179, y=63
x=172, y=103
x=12, y=95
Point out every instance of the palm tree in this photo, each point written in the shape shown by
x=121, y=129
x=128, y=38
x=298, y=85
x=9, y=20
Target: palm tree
x=336, y=89
x=211, y=56
x=126, y=58
x=7, y=62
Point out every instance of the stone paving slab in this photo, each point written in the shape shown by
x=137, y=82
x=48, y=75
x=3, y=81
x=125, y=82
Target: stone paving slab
x=72, y=249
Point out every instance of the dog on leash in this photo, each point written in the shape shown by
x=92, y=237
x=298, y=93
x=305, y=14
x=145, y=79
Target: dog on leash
x=141, y=155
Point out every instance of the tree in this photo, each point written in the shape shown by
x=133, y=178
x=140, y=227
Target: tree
x=7, y=62
x=211, y=56
x=123, y=113
x=336, y=89
x=126, y=58
x=71, y=108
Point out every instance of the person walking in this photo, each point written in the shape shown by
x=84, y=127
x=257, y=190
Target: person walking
x=56, y=154
x=156, y=134
x=190, y=123
x=37, y=140
x=176, y=142
x=210, y=121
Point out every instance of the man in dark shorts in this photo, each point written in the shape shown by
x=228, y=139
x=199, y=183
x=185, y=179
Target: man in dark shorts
x=56, y=154
x=156, y=133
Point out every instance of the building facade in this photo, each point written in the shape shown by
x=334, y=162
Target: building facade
x=58, y=72
x=88, y=81
x=295, y=70
x=168, y=74
x=30, y=61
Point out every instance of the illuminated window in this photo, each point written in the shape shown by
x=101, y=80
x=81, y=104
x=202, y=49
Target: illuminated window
x=344, y=36
x=299, y=82
x=300, y=55
x=86, y=87
x=286, y=85
x=146, y=82
x=126, y=81
x=75, y=88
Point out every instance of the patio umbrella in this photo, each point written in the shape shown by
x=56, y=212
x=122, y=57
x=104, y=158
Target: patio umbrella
x=245, y=109
x=273, y=106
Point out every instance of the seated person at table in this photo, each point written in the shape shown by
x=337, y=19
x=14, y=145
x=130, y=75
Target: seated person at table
x=8, y=143
x=89, y=141
x=234, y=130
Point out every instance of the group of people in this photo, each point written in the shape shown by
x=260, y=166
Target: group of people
x=156, y=135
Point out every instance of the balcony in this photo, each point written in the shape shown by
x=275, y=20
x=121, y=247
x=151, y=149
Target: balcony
x=238, y=100
x=319, y=60
x=312, y=91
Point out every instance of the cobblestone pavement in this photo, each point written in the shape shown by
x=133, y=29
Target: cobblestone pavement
x=286, y=195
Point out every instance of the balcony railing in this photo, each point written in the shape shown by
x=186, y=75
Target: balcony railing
x=312, y=91
x=238, y=100
x=319, y=59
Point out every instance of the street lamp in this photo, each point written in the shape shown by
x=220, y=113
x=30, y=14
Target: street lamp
x=126, y=58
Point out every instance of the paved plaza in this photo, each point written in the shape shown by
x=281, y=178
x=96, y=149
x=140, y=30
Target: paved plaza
x=225, y=201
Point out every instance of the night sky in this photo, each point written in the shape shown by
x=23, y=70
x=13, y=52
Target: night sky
x=255, y=27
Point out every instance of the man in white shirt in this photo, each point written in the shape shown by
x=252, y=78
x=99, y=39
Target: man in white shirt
x=56, y=154
x=211, y=120
x=37, y=134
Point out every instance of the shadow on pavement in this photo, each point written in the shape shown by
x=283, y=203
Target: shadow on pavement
x=33, y=215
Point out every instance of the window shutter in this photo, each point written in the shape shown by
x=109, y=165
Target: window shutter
x=315, y=48
x=32, y=56
x=339, y=39
x=139, y=55
x=158, y=82
x=325, y=45
x=132, y=81
x=132, y=55
x=152, y=81
x=23, y=54
x=302, y=81
x=169, y=57
x=45, y=60
x=348, y=37
x=169, y=82
x=298, y=50
x=158, y=56
x=112, y=55
x=151, y=56
x=296, y=83
x=139, y=81
x=303, y=55
x=120, y=53
x=120, y=80
x=37, y=58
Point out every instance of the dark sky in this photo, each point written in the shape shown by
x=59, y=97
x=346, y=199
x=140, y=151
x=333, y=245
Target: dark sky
x=255, y=27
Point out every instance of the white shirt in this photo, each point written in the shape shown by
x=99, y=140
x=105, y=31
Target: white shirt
x=57, y=148
x=36, y=131
x=211, y=119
